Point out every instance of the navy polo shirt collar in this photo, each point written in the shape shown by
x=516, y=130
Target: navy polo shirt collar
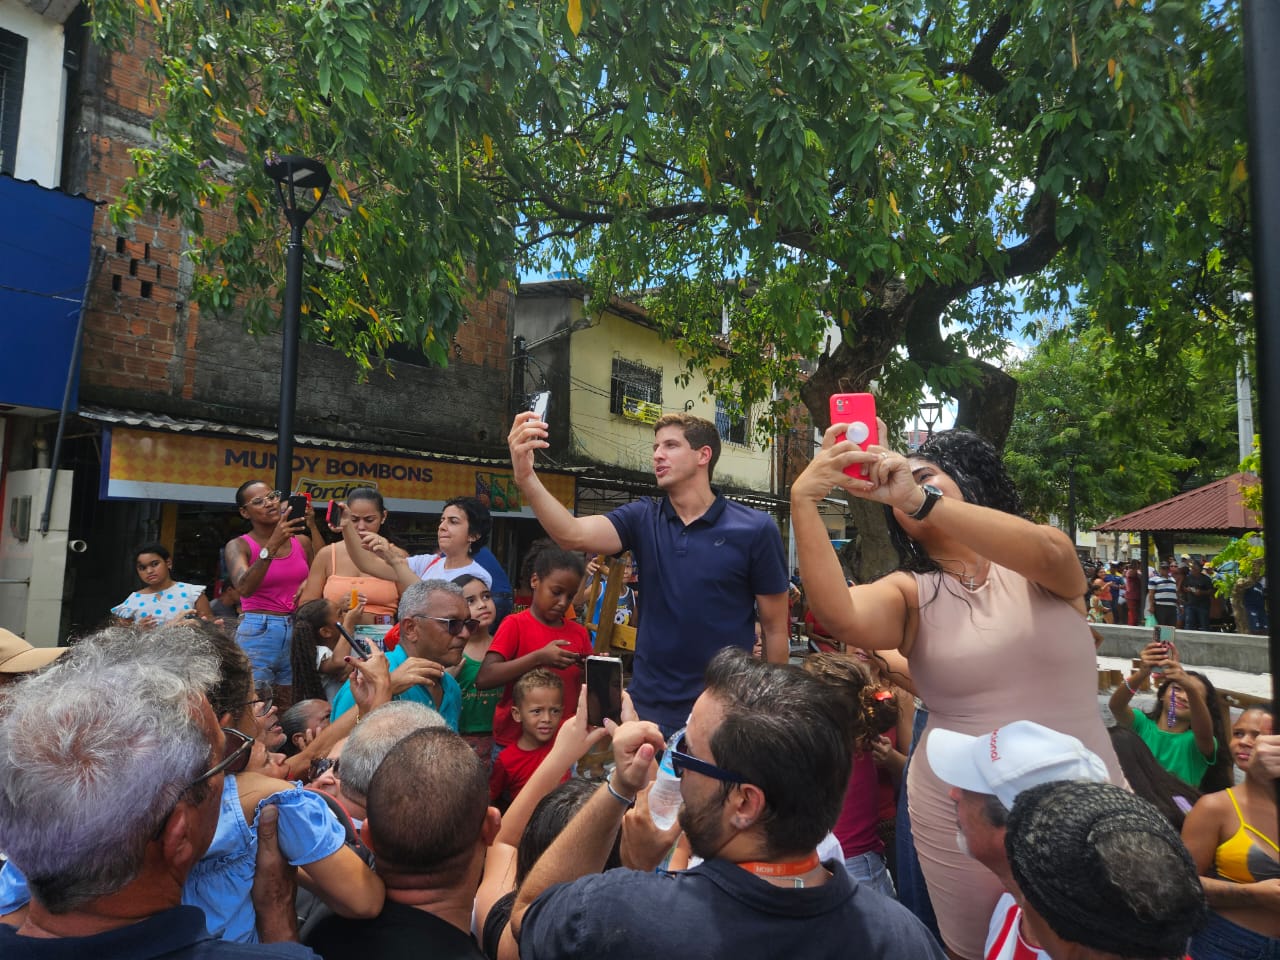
x=176, y=931
x=710, y=517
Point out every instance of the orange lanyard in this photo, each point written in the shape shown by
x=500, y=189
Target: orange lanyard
x=791, y=868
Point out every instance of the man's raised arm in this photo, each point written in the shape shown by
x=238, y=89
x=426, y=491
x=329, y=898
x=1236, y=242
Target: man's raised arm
x=596, y=534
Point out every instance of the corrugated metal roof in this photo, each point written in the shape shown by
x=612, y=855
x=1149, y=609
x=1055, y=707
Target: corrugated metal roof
x=159, y=421
x=1216, y=507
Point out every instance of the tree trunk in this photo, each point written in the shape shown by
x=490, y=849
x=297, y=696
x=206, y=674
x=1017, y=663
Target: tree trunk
x=986, y=407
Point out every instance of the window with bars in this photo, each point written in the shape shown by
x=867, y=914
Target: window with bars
x=13, y=68
x=633, y=381
x=733, y=428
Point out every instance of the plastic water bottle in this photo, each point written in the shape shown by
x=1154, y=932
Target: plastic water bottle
x=664, y=795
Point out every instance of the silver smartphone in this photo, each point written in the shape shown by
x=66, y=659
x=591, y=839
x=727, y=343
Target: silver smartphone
x=539, y=402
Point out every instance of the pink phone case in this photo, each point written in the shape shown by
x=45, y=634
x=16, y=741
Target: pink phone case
x=858, y=410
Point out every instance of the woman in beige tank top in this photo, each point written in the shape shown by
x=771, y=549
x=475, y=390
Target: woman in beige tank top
x=987, y=607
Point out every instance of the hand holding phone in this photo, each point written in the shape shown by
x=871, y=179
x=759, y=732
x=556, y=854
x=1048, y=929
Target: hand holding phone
x=358, y=645
x=333, y=515
x=858, y=410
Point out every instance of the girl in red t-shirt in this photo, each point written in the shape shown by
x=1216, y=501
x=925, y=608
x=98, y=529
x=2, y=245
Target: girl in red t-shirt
x=538, y=637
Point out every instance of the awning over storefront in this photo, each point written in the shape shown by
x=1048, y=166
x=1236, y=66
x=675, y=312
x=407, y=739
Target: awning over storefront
x=160, y=458
x=45, y=244
x=600, y=494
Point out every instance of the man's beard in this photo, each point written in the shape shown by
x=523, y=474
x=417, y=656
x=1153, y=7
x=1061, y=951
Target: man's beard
x=702, y=828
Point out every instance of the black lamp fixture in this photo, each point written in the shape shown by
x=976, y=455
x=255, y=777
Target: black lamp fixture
x=930, y=413
x=301, y=186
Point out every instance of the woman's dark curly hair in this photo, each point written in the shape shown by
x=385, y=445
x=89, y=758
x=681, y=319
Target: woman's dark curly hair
x=975, y=466
x=479, y=520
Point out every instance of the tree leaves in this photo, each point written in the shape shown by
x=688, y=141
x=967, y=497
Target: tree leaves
x=895, y=165
x=1128, y=442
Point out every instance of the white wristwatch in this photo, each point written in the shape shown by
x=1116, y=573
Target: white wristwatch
x=264, y=554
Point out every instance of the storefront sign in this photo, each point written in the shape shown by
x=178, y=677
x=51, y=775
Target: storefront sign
x=155, y=465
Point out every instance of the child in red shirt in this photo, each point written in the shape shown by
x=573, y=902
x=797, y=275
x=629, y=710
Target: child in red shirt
x=537, y=704
x=538, y=637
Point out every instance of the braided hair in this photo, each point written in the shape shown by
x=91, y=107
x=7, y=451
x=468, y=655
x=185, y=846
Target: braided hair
x=307, y=623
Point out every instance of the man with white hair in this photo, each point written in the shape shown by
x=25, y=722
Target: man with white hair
x=111, y=772
x=370, y=743
x=986, y=774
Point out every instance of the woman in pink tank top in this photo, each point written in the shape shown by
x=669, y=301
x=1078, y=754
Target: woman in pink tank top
x=268, y=566
x=987, y=607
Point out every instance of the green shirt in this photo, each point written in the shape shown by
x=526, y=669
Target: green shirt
x=1176, y=752
x=477, y=705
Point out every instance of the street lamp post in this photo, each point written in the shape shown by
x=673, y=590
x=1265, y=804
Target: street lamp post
x=1071, y=498
x=930, y=413
x=292, y=176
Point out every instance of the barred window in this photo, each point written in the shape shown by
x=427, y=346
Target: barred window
x=732, y=428
x=13, y=68
x=633, y=381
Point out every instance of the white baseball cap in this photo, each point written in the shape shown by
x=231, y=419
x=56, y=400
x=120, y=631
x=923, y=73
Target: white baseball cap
x=1011, y=759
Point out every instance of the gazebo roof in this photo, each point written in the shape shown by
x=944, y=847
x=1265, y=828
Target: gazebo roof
x=1214, y=508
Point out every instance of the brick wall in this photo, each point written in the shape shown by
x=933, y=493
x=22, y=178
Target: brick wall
x=147, y=347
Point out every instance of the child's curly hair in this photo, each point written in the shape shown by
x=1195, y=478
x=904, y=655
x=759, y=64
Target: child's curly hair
x=877, y=706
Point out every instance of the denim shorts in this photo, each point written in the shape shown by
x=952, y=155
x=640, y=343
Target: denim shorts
x=1223, y=940
x=266, y=639
x=869, y=870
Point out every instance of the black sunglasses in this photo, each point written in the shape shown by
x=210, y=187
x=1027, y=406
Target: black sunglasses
x=681, y=761
x=322, y=765
x=453, y=624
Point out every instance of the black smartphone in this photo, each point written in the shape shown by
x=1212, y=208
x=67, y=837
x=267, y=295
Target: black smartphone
x=604, y=690
x=298, y=505
x=358, y=646
x=333, y=516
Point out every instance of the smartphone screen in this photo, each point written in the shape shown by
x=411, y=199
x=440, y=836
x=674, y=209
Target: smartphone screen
x=539, y=403
x=298, y=506
x=604, y=690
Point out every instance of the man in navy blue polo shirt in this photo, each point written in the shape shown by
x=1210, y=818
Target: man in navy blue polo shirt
x=707, y=564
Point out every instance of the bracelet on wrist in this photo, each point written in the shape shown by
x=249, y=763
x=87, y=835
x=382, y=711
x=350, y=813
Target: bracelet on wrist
x=628, y=803
x=1132, y=691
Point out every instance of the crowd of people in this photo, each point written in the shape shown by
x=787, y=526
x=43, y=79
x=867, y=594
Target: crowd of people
x=379, y=758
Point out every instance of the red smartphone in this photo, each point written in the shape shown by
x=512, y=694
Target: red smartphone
x=858, y=410
x=333, y=516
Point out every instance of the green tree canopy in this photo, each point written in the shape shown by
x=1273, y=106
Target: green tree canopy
x=1129, y=443
x=890, y=168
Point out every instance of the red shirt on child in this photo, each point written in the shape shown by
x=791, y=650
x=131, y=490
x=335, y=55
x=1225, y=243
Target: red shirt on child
x=514, y=767
x=521, y=634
